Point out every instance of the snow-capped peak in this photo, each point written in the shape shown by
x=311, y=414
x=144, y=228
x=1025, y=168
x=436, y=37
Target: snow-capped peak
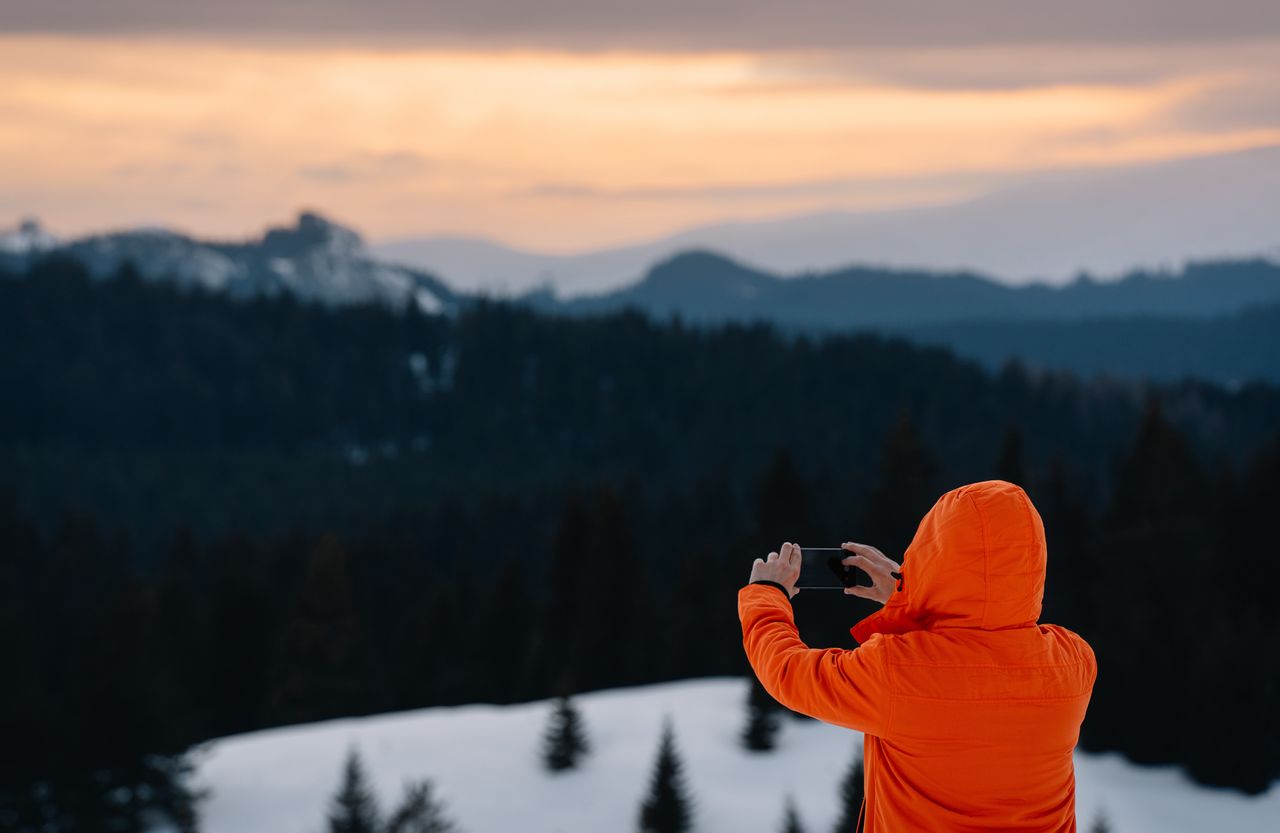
x=27, y=238
x=313, y=233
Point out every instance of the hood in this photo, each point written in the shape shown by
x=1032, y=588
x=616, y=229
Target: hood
x=977, y=561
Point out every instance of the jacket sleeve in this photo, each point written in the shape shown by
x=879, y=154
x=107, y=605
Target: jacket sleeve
x=848, y=688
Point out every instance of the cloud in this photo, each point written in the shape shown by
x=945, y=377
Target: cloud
x=1245, y=103
x=1008, y=66
x=895, y=186
x=364, y=167
x=664, y=24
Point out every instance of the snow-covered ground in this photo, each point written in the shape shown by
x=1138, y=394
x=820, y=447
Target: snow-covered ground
x=485, y=764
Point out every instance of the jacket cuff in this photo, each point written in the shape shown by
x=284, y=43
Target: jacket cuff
x=768, y=583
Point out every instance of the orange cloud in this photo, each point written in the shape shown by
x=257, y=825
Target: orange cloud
x=549, y=150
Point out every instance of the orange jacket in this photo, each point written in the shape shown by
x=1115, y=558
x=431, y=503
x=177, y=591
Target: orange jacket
x=970, y=709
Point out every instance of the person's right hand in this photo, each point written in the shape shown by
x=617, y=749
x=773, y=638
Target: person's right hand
x=877, y=565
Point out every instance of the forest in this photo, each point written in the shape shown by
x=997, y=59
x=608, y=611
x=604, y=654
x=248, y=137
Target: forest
x=219, y=516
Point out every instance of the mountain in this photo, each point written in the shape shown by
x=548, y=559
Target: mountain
x=1215, y=320
x=315, y=259
x=706, y=286
x=1048, y=228
x=282, y=779
x=28, y=238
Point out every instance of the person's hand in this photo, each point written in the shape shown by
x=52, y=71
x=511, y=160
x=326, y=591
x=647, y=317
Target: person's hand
x=877, y=565
x=782, y=567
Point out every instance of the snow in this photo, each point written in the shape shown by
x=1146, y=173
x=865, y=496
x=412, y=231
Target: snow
x=485, y=764
x=27, y=238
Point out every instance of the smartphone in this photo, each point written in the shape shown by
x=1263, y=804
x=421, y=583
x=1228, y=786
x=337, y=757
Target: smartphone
x=821, y=569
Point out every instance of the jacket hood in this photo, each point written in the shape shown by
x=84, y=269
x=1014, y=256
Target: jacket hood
x=977, y=561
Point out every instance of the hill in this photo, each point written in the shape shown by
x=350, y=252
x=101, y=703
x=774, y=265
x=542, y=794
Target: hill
x=1213, y=320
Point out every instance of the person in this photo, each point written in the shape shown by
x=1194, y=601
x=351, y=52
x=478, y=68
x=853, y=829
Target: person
x=970, y=709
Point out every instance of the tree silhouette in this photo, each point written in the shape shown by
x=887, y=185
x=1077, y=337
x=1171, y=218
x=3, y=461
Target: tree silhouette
x=353, y=808
x=759, y=734
x=321, y=667
x=565, y=741
x=420, y=812
x=667, y=808
x=791, y=818
x=1009, y=465
x=783, y=511
x=905, y=490
x=852, y=792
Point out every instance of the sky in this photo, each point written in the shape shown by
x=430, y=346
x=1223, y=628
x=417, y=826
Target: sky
x=571, y=125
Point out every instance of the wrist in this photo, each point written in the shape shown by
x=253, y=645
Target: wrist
x=772, y=583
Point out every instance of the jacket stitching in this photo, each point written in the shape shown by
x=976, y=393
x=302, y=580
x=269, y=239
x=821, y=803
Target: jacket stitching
x=888, y=668
x=986, y=565
x=992, y=665
x=1083, y=694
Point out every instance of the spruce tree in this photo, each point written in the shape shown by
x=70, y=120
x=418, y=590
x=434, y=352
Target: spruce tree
x=1100, y=823
x=906, y=488
x=420, y=812
x=852, y=791
x=782, y=503
x=791, y=818
x=1009, y=465
x=322, y=666
x=565, y=741
x=759, y=735
x=667, y=807
x=353, y=808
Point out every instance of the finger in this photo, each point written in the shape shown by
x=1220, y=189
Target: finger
x=792, y=552
x=872, y=553
x=773, y=556
x=759, y=562
x=867, y=564
x=859, y=590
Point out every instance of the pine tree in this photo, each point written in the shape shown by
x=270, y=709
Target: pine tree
x=1009, y=465
x=667, y=807
x=321, y=666
x=420, y=812
x=782, y=504
x=852, y=791
x=1100, y=823
x=904, y=492
x=565, y=741
x=762, y=718
x=791, y=818
x=353, y=808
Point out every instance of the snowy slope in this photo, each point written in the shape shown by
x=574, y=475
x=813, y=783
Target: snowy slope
x=484, y=762
x=28, y=238
x=315, y=260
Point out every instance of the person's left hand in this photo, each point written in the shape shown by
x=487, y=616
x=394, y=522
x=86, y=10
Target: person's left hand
x=782, y=567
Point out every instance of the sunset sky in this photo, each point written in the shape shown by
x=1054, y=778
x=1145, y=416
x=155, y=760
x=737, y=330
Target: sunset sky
x=579, y=123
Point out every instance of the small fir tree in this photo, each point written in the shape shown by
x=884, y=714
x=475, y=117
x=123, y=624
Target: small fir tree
x=1009, y=465
x=760, y=733
x=420, y=812
x=852, y=791
x=565, y=741
x=353, y=808
x=1100, y=823
x=667, y=807
x=791, y=818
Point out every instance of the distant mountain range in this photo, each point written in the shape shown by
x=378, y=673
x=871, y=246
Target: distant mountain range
x=1047, y=228
x=706, y=286
x=315, y=260
x=1214, y=320
x=1218, y=320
